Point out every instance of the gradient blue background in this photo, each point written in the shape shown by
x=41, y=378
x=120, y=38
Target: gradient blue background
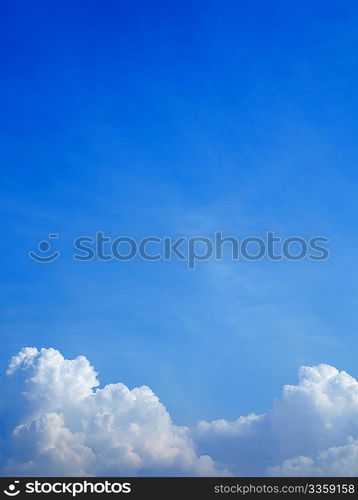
x=181, y=118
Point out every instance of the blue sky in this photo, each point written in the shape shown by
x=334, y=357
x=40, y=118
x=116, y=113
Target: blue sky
x=175, y=119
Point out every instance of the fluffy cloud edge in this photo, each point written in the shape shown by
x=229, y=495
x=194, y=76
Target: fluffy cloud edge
x=61, y=423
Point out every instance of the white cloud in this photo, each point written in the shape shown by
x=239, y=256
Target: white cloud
x=335, y=461
x=308, y=431
x=70, y=428
x=60, y=423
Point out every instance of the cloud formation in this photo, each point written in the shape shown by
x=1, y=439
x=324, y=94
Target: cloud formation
x=58, y=422
x=67, y=426
x=310, y=430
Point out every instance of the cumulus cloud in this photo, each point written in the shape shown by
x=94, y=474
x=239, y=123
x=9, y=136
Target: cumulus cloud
x=335, y=461
x=57, y=421
x=310, y=430
x=67, y=426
